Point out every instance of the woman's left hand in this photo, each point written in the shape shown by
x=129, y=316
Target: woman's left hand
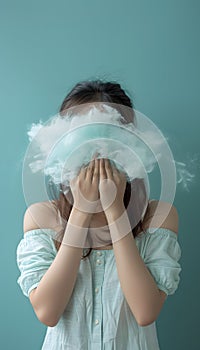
x=112, y=185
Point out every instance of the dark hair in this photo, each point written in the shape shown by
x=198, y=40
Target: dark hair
x=99, y=91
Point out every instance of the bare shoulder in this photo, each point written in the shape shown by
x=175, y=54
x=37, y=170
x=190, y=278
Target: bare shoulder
x=161, y=214
x=40, y=215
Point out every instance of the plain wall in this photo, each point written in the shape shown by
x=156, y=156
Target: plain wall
x=152, y=49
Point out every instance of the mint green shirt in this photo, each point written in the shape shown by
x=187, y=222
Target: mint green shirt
x=98, y=316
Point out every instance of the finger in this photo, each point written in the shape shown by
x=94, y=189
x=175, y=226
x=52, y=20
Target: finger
x=90, y=170
x=115, y=170
x=108, y=169
x=102, y=171
x=96, y=170
x=95, y=155
x=83, y=172
x=114, y=167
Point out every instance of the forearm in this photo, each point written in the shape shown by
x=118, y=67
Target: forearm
x=56, y=286
x=138, y=285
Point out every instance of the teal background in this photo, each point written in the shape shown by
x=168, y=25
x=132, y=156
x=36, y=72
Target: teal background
x=152, y=49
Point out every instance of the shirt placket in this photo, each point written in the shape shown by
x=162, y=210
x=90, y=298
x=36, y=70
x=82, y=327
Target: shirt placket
x=99, y=261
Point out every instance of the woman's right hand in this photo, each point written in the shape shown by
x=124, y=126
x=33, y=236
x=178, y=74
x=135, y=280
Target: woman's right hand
x=85, y=188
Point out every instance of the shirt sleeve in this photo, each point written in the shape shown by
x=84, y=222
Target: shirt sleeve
x=161, y=256
x=35, y=253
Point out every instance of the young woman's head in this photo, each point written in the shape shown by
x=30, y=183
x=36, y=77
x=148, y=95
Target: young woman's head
x=84, y=93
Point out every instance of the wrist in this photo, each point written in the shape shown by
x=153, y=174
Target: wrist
x=119, y=224
x=114, y=212
x=80, y=218
x=76, y=229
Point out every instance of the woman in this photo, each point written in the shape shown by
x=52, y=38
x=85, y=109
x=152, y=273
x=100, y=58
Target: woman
x=111, y=297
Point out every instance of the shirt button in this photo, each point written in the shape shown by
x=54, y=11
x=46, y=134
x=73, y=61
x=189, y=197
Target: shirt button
x=98, y=261
x=96, y=290
x=99, y=253
x=96, y=321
